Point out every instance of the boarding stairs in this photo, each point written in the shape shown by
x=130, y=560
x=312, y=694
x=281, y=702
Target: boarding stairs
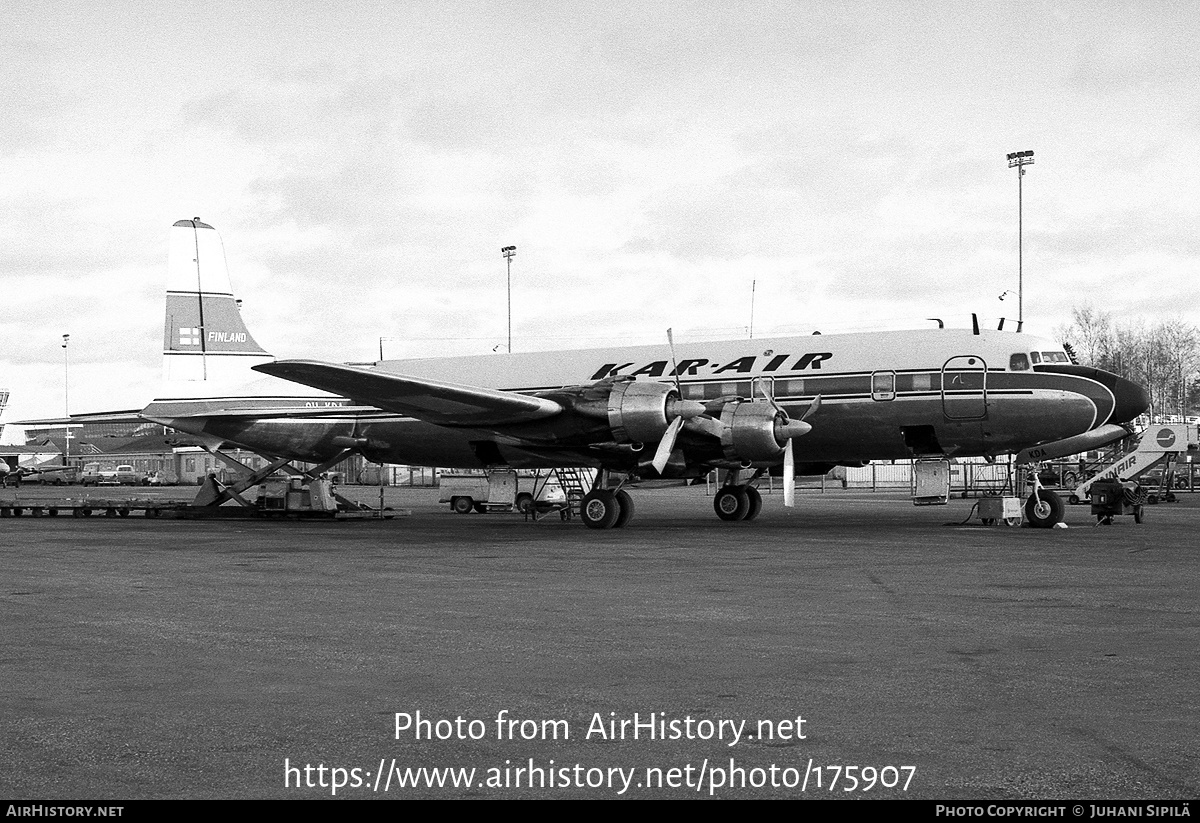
x=574, y=482
x=1139, y=453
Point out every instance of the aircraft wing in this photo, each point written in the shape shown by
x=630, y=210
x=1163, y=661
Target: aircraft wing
x=253, y=412
x=446, y=404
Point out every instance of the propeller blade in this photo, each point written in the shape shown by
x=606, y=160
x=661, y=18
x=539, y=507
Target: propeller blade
x=769, y=395
x=706, y=425
x=666, y=445
x=789, y=475
x=816, y=404
x=674, y=362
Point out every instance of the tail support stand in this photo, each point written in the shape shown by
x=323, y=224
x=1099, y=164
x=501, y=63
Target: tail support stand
x=215, y=493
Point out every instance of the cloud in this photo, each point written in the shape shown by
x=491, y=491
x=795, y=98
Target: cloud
x=652, y=163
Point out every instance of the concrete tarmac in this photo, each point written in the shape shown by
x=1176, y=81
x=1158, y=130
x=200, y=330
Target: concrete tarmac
x=148, y=658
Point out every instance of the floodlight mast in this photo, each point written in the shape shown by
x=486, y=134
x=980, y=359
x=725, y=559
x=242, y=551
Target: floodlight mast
x=67, y=399
x=1019, y=160
x=509, y=253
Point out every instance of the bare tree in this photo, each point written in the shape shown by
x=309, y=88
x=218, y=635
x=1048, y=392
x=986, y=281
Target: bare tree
x=1162, y=357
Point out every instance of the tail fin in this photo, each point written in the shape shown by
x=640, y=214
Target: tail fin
x=204, y=337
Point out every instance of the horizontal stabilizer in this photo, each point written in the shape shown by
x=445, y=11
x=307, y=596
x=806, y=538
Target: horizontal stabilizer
x=446, y=404
x=81, y=419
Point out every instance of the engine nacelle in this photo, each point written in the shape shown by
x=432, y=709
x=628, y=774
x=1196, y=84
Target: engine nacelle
x=749, y=434
x=636, y=412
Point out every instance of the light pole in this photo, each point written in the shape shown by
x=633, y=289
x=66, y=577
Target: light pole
x=1019, y=160
x=67, y=399
x=509, y=253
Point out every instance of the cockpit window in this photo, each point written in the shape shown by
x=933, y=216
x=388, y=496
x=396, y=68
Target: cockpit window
x=1048, y=357
x=1018, y=362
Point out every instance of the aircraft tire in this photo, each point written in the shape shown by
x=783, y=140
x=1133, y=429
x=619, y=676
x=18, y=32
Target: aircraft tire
x=755, y=503
x=599, y=509
x=625, y=508
x=732, y=503
x=1044, y=509
x=1137, y=514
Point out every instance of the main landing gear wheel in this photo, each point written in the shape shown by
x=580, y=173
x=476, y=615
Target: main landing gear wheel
x=600, y=509
x=1044, y=509
x=755, y=502
x=732, y=503
x=625, y=505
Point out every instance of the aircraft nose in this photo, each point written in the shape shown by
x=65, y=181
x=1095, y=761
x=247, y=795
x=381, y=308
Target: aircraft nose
x=1132, y=400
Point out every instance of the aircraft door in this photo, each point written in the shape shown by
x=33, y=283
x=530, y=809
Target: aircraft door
x=964, y=388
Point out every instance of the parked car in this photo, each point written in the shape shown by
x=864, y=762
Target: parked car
x=50, y=475
x=126, y=476
x=91, y=474
x=104, y=474
x=1059, y=475
x=499, y=491
x=1154, y=479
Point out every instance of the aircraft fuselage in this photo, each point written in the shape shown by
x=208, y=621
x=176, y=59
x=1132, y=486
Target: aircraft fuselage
x=884, y=395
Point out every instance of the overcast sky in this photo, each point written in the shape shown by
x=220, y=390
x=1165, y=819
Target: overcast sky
x=365, y=161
